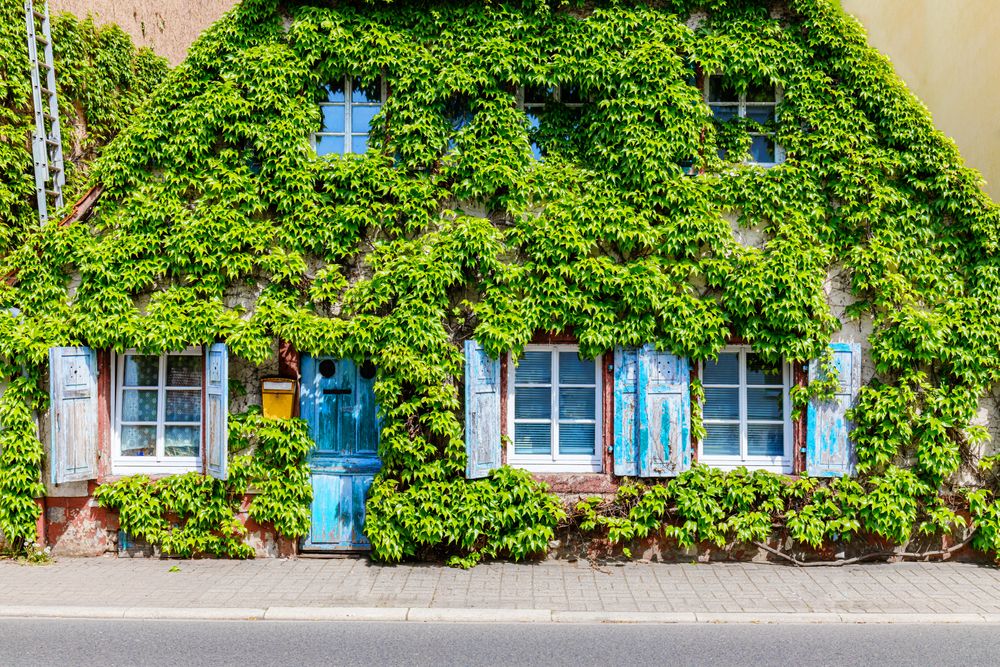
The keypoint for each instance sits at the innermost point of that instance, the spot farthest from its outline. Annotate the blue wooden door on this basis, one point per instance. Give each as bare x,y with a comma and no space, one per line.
338,402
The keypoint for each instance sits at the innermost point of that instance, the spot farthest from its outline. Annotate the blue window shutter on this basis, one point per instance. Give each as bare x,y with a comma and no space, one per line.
482,412
626,447
73,411
829,451
664,409
216,419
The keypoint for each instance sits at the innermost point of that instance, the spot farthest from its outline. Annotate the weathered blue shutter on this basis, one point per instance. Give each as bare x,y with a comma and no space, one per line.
216,420
482,412
664,410
829,451
73,410
626,448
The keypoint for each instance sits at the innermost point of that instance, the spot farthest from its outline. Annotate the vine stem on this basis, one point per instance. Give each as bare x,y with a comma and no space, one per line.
859,559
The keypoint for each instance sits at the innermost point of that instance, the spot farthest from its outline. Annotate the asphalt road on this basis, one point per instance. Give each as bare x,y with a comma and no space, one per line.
178,643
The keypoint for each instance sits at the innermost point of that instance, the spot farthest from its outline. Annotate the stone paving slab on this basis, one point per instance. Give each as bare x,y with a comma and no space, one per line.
947,590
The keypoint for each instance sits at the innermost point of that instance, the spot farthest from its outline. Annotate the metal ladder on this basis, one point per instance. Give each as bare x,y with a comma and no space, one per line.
46,143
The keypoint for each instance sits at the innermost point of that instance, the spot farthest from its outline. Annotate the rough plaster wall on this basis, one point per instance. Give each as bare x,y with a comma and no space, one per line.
167,26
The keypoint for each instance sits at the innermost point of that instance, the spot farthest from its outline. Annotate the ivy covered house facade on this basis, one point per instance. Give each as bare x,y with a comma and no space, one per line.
670,274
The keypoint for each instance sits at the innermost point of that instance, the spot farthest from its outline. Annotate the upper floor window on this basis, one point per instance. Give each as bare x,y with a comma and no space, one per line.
758,103
534,99
347,112
554,400
746,412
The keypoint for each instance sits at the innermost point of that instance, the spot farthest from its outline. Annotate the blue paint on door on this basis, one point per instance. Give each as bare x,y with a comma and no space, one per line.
338,402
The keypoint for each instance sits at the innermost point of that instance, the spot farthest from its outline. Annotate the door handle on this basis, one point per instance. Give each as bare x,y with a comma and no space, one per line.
336,391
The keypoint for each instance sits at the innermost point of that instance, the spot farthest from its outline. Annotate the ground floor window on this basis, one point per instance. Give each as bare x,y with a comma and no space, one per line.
158,406
747,412
554,410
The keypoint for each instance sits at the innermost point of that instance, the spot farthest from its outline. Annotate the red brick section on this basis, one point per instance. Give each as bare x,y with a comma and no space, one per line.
800,377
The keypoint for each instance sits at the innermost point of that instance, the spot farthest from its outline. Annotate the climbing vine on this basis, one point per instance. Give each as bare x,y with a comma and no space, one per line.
102,78
220,222
191,514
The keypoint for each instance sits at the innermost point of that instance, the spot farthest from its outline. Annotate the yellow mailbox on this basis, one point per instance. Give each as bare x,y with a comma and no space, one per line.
278,397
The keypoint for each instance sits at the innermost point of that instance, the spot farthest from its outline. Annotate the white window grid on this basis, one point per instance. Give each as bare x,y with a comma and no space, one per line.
781,463
554,461
347,105
537,108
741,107
160,463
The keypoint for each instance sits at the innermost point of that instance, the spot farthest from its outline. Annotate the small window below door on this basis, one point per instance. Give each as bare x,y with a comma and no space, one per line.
158,412
554,410
746,413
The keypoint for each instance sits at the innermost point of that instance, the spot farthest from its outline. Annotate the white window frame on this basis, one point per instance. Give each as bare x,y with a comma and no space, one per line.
539,107
781,464
159,464
348,134
554,462
741,112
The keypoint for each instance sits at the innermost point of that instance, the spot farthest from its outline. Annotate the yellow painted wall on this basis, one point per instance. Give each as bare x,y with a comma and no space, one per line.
947,51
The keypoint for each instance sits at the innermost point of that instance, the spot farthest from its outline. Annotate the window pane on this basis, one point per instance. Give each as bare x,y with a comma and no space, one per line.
532,438
534,118
573,370
761,93
182,440
533,403
335,92
721,403
577,439
183,371
724,114
759,373
576,403
762,115
570,94
721,440
183,406
142,370
537,94
329,145
724,371
359,144
361,118
139,405
534,368
762,149
333,118
719,90
765,404
765,440
138,440
371,92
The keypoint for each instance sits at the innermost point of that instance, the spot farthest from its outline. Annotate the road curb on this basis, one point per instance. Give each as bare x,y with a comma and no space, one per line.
474,615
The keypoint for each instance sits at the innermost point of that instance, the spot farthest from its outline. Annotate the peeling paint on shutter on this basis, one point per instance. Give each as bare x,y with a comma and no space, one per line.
626,448
664,409
482,412
216,419
829,450
73,411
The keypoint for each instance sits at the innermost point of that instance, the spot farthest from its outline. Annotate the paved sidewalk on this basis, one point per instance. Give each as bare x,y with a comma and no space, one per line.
321,588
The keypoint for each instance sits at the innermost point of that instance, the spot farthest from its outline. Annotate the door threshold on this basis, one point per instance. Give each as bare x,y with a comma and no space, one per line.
333,554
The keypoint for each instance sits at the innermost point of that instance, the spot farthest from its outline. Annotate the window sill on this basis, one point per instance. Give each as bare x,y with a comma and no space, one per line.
782,466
